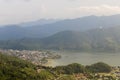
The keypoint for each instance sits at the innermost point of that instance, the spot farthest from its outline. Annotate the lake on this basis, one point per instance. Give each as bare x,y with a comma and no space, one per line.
86,58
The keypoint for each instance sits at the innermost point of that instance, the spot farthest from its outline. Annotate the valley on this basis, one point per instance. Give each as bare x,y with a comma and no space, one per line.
59,39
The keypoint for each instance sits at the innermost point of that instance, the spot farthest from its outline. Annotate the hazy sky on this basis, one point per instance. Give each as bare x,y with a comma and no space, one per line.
17,11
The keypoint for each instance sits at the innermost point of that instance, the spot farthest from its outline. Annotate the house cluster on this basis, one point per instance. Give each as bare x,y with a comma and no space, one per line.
36,57
113,75
80,76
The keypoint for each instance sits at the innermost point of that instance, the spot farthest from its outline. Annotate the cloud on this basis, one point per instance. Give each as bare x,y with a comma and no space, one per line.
99,8
16,0
16,11
72,0
95,10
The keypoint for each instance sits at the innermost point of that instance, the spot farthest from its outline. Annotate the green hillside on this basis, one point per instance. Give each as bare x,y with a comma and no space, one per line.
99,39
12,68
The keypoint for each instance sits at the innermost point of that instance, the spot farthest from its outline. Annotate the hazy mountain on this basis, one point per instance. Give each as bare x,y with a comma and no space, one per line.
38,30
79,24
11,32
99,39
38,22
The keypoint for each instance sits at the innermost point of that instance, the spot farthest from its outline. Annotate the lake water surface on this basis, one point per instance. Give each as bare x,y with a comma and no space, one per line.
86,58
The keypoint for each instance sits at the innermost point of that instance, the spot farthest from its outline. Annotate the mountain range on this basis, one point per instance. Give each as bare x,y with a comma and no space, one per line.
44,28
99,39
91,33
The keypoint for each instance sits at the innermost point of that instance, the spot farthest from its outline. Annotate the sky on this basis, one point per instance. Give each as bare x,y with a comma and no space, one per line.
18,11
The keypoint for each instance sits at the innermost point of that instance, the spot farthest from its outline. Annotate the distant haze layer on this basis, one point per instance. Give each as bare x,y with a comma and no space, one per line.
17,11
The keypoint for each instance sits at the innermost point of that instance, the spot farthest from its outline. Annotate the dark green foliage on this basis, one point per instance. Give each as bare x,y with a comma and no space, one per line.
78,68
12,68
67,78
45,75
99,67
75,68
70,69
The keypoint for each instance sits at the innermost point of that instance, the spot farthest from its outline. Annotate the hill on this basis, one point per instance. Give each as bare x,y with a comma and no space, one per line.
12,68
99,39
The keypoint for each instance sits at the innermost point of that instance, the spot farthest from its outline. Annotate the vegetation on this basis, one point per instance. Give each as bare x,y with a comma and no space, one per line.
12,68
99,67
99,40
68,77
70,69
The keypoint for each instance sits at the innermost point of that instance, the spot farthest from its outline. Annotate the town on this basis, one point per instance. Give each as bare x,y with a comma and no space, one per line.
36,57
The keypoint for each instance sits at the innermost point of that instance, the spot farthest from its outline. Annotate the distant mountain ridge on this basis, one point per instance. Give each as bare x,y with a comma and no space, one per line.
38,30
99,39
38,22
